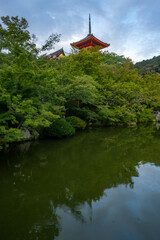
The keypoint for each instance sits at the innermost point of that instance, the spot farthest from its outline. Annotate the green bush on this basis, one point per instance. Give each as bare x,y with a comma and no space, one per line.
145,115
8,136
76,122
120,114
84,113
60,128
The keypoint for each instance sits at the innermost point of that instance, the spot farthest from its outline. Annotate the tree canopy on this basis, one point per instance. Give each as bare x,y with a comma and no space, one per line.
150,65
97,88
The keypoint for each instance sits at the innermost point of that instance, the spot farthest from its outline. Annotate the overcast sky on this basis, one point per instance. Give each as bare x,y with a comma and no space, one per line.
132,27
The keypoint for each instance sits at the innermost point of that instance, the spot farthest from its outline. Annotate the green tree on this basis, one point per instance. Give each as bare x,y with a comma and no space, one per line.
24,87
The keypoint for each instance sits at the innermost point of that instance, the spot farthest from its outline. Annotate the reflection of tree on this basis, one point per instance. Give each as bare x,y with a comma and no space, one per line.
47,226
68,173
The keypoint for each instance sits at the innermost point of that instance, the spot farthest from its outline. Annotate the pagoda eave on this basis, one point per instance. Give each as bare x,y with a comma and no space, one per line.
90,41
87,45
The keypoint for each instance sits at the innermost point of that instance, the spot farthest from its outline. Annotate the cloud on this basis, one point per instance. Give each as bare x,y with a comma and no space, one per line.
132,27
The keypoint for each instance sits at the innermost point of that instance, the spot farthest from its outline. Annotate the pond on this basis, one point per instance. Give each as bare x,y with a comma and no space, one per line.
100,184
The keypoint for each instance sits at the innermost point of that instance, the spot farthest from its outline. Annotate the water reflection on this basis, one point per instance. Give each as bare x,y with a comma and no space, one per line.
46,186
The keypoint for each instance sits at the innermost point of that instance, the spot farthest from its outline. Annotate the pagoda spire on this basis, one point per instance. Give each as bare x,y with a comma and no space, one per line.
89,24
90,40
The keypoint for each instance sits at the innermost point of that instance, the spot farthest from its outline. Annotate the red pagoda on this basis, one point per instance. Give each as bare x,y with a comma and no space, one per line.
89,41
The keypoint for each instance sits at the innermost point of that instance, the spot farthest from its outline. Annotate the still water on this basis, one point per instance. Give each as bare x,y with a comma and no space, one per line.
101,184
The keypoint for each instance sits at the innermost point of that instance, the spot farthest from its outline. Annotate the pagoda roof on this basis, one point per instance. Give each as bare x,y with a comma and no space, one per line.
56,54
88,41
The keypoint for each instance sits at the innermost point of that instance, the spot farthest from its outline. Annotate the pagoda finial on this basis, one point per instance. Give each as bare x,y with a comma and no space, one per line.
89,24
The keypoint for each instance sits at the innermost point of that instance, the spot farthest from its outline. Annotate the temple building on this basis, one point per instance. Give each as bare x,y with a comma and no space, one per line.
56,55
89,41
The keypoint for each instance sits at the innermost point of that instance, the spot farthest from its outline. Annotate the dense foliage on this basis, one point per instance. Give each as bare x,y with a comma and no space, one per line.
59,128
150,65
99,88
76,122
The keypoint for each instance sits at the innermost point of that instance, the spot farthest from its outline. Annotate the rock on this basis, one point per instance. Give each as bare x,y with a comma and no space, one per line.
133,124
35,134
158,117
25,134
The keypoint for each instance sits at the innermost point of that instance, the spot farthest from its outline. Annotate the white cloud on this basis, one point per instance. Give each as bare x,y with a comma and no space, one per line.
132,27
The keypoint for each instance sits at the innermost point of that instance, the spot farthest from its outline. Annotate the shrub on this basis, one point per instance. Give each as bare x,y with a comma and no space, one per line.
60,128
145,115
119,114
76,122
84,113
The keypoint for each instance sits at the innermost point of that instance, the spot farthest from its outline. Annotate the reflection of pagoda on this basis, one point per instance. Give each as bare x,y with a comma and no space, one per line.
89,41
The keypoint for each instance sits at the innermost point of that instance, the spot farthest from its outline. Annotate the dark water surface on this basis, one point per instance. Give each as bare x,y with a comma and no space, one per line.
99,185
